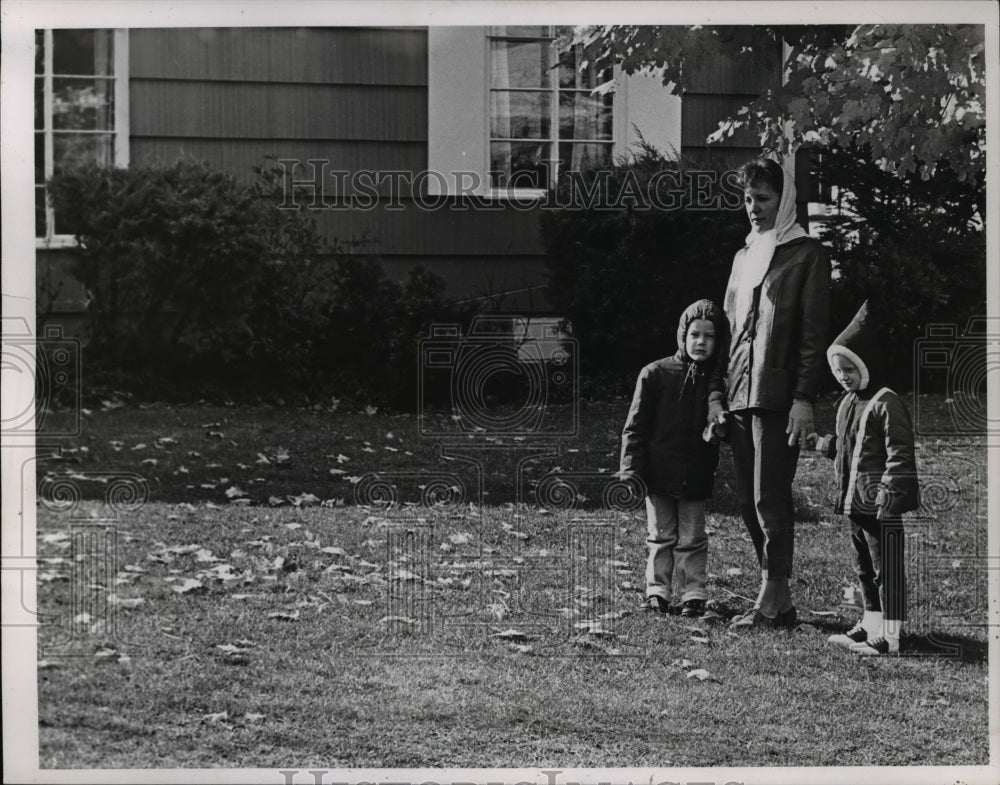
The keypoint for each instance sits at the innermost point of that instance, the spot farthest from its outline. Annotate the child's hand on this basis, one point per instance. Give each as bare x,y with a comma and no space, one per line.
811,441
715,431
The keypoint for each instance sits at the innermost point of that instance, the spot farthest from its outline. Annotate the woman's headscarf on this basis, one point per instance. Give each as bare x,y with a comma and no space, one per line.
751,266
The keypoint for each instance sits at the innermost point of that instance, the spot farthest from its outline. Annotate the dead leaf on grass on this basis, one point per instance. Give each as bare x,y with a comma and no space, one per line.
188,585
512,635
400,619
284,615
701,675
125,602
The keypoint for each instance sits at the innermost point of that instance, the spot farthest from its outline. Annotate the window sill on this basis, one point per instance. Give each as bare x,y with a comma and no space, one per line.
60,241
517,194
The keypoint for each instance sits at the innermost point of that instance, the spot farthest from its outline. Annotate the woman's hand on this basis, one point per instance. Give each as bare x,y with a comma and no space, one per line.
800,422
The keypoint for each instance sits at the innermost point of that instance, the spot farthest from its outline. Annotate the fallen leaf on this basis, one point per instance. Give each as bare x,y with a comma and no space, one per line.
188,585
512,635
304,500
234,491
284,615
402,619
700,673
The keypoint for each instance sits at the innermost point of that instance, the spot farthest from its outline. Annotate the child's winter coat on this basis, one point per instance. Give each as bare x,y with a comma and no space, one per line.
873,448
662,441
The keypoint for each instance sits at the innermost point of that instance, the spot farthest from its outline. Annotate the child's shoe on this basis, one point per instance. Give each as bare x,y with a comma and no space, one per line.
878,646
857,634
693,608
655,604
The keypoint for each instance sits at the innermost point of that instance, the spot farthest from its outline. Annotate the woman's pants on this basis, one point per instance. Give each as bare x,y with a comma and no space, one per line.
678,546
765,467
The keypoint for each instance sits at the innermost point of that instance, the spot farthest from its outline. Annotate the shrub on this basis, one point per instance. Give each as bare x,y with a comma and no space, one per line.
200,286
914,248
170,257
622,275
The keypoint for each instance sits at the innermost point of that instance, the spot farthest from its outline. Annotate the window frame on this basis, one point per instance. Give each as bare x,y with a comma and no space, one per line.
119,133
553,140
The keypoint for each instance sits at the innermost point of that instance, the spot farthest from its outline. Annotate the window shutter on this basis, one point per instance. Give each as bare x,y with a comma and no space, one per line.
650,108
456,103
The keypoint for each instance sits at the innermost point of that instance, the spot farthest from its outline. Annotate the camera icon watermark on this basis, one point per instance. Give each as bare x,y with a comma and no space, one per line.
508,377
50,366
960,366
78,562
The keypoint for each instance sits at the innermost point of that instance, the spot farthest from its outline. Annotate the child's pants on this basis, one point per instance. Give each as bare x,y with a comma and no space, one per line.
879,560
677,545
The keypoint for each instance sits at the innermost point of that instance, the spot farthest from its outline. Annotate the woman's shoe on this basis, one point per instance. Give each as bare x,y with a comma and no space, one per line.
785,620
655,604
693,608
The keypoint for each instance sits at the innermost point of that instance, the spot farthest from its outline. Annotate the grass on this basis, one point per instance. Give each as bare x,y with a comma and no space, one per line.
323,635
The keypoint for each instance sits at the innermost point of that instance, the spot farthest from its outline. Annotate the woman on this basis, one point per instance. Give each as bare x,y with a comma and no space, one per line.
777,303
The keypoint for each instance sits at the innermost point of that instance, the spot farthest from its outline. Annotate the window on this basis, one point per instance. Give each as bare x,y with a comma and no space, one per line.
544,115
503,104
80,110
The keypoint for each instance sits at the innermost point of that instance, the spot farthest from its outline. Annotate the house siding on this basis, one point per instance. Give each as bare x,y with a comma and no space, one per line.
354,97
357,98
717,91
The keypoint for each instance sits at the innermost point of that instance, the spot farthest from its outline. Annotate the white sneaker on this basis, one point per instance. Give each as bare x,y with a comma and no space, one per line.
876,647
857,634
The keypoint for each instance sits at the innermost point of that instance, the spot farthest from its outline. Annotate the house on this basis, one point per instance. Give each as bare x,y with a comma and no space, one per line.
436,143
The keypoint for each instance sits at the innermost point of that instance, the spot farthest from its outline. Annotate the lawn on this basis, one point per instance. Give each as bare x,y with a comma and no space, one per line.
225,589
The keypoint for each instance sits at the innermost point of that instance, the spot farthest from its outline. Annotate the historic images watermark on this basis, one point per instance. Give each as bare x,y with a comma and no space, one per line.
315,185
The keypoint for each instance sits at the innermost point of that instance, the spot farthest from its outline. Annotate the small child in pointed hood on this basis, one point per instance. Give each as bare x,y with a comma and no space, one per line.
877,481
662,446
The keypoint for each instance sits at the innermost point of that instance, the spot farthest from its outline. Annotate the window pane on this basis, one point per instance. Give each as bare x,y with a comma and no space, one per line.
519,64
39,212
76,149
39,103
580,156
39,51
519,115
570,75
585,116
79,104
39,158
518,164
82,52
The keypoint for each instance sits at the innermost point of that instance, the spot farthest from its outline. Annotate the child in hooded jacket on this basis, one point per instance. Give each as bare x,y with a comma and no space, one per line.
663,446
877,482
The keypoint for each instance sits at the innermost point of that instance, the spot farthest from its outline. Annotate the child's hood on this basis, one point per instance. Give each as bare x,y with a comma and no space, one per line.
860,342
704,309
